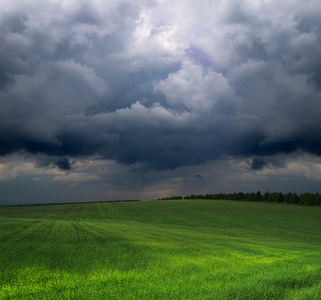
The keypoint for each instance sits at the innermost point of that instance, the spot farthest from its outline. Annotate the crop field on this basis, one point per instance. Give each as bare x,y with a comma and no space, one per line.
183,249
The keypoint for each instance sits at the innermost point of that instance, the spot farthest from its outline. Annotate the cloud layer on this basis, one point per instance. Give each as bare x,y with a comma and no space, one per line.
163,84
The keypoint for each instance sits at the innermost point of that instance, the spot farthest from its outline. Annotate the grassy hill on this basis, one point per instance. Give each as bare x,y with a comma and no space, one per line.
184,249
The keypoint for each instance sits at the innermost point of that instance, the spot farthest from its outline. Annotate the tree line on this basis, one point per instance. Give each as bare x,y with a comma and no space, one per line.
309,199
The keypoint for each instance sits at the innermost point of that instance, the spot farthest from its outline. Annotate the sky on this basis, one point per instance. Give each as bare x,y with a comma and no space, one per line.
109,100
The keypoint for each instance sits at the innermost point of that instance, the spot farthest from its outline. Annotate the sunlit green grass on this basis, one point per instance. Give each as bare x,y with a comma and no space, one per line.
184,249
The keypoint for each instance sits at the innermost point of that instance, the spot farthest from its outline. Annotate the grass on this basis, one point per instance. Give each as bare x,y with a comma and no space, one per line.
184,249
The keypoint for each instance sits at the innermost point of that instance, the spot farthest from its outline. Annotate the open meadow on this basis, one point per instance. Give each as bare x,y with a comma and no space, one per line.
183,249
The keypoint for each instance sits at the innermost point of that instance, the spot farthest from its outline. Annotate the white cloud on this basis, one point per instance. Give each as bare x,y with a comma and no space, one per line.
83,75
16,165
195,89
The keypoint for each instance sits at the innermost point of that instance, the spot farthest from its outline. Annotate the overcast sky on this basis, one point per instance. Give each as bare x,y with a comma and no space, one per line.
104,100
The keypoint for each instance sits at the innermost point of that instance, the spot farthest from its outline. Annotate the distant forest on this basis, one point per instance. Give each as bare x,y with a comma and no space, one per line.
309,199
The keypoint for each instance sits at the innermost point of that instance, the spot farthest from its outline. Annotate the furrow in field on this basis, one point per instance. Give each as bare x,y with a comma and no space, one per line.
13,234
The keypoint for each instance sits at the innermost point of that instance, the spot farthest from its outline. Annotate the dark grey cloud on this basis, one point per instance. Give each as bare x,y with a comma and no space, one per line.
5,81
136,83
258,164
63,164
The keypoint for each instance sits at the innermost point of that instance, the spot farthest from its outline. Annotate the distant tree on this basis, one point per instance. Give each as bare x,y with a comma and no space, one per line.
240,196
279,197
317,199
308,199
287,197
294,198
273,197
305,199
265,197
230,196
250,196
258,196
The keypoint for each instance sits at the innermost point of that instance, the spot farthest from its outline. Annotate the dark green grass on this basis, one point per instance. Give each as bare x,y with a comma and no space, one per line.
186,249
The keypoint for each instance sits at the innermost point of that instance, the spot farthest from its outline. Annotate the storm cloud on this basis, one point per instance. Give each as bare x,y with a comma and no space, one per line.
163,84
63,164
258,164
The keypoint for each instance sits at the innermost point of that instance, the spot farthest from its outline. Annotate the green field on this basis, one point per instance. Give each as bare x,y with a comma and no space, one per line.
184,249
